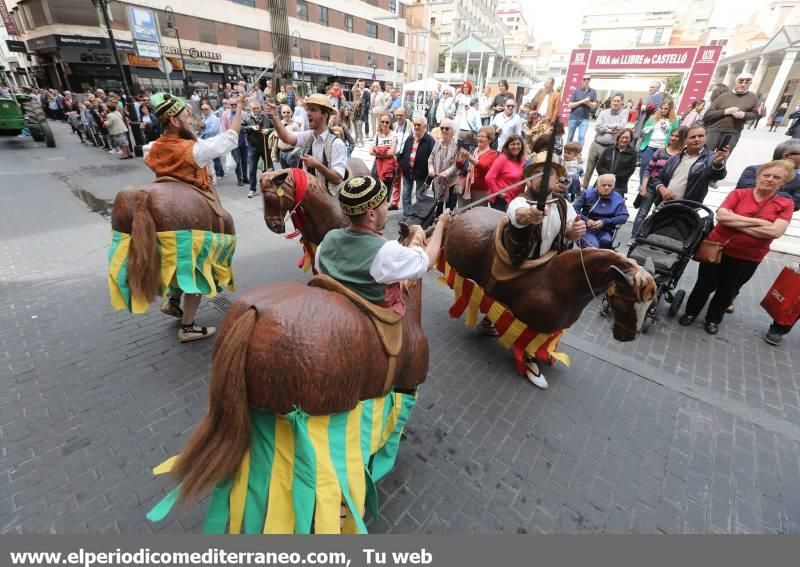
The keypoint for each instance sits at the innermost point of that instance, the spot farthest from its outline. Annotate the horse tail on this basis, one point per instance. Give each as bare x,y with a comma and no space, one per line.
144,264
216,448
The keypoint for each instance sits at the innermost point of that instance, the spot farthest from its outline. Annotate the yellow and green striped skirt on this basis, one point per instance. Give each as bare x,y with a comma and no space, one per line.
300,469
195,261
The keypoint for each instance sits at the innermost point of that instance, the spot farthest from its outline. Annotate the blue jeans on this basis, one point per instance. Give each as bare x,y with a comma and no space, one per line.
240,157
218,169
582,124
253,155
644,209
644,159
410,185
598,239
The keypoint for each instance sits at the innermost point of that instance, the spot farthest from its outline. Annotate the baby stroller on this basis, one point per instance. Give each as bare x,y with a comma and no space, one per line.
669,238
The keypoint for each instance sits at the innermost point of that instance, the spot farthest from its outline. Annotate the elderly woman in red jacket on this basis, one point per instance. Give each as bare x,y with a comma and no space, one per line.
748,221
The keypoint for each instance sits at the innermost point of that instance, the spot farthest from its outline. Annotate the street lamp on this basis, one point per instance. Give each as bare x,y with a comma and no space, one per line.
299,47
138,138
171,26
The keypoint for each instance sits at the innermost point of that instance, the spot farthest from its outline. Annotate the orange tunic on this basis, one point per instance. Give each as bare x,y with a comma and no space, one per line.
171,156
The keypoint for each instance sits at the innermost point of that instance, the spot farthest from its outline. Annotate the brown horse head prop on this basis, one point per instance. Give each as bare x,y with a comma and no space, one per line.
306,199
285,346
552,296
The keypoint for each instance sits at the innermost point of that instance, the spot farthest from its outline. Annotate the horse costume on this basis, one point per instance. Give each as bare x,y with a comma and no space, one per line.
304,417
530,305
171,234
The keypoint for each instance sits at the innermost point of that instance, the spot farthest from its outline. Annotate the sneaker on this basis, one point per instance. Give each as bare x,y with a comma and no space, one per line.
773,338
240,183
534,374
172,307
193,332
251,194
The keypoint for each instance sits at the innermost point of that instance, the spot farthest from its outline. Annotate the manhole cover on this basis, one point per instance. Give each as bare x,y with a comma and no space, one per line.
222,303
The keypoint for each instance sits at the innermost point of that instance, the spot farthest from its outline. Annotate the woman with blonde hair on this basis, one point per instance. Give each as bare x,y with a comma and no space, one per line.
377,106
656,132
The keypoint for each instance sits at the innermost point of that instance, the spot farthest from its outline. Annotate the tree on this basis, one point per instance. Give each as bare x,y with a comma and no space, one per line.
673,86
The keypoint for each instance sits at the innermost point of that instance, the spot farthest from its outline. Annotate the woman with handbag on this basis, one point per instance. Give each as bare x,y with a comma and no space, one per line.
384,151
748,221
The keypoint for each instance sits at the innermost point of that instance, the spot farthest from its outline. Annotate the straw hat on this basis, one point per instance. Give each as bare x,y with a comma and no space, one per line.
320,100
538,163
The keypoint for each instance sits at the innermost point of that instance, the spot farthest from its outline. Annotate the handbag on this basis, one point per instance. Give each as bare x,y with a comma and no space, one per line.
710,251
782,301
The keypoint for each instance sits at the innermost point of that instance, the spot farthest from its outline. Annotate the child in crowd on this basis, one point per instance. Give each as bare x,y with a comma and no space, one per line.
572,152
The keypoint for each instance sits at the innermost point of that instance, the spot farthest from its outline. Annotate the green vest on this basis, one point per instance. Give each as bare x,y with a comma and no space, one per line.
346,256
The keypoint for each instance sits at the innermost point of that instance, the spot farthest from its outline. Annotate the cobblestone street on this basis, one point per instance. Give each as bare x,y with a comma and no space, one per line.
678,432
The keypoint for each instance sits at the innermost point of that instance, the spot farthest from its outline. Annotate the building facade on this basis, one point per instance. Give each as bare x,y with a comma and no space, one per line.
518,31
454,20
222,41
422,43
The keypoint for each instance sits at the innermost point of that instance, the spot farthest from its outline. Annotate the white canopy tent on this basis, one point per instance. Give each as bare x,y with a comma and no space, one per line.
416,92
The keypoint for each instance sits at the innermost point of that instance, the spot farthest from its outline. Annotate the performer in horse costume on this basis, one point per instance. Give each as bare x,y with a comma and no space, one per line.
174,236
312,385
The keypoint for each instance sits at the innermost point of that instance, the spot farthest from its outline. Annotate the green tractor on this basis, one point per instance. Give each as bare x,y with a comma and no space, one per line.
25,111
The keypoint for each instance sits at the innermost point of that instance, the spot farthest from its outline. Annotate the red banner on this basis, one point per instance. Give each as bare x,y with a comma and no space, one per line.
700,76
8,21
578,61
642,59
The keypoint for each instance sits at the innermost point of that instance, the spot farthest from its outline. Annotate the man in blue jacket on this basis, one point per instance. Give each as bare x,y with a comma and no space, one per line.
604,210
688,174
414,162
788,150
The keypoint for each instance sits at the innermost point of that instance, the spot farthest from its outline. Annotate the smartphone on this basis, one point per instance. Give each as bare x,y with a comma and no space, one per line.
462,145
726,140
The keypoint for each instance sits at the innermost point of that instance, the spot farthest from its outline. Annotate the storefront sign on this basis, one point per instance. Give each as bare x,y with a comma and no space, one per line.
192,52
199,66
87,41
8,20
95,56
16,46
39,43
578,62
700,76
148,49
650,59
136,61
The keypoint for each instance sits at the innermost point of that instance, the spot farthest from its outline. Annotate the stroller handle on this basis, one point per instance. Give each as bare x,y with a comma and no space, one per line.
686,202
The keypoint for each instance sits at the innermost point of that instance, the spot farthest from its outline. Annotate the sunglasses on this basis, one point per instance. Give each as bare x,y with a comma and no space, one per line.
587,78
385,122
744,80
445,128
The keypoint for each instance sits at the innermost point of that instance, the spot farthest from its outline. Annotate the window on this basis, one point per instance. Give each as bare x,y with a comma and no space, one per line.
349,56
587,36
639,33
433,21
372,30
73,12
323,15
393,6
391,35
324,51
348,23
207,32
373,2
659,34
247,38
251,3
302,11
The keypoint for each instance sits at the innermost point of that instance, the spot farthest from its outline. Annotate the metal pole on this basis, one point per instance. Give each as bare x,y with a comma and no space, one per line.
469,53
134,116
480,70
183,65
